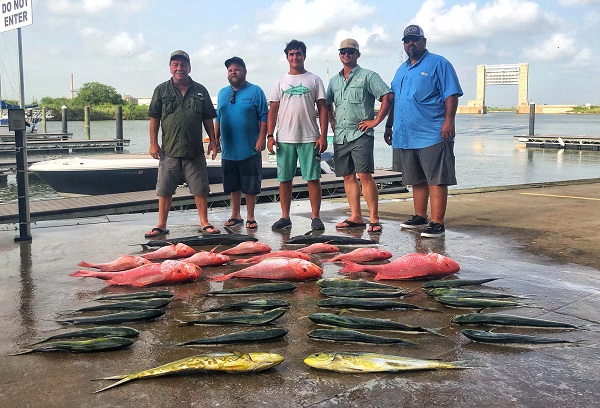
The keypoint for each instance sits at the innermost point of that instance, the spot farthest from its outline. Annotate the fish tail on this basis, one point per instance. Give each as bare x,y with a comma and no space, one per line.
23,351
460,364
351,267
86,264
220,278
122,379
84,274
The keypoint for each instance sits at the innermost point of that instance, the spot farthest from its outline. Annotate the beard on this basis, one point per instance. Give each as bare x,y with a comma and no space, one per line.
237,81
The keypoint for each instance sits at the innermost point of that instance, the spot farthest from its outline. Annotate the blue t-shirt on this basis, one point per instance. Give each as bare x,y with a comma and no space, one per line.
239,122
419,94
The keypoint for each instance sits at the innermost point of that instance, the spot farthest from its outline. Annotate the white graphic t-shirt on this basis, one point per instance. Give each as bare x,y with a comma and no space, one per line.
297,96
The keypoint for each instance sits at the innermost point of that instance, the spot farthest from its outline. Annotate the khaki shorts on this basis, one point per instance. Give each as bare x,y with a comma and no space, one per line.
172,169
433,165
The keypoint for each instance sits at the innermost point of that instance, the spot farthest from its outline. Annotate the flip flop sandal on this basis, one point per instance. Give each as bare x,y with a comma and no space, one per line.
156,232
374,225
205,229
251,224
232,222
350,224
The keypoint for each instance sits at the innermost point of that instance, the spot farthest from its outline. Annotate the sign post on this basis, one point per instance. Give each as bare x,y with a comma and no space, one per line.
17,14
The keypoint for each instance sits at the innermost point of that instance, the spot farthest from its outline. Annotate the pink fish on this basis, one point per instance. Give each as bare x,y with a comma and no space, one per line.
248,247
204,258
276,254
411,266
167,273
170,252
122,263
362,255
319,248
277,269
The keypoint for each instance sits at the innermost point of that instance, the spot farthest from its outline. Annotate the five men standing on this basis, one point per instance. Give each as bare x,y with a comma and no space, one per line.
422,104
353,92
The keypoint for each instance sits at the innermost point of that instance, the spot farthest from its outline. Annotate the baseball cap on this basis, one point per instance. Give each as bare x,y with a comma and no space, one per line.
236,60
349,43
413,30
180,54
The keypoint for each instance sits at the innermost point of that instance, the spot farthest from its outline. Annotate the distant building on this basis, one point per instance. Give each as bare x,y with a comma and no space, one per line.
144,101
130,99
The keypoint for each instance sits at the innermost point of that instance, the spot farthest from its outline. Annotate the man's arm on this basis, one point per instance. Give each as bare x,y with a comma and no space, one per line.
321,144
387,133
154,146
262,137
386,103
209,126
331,114
271,123
448,128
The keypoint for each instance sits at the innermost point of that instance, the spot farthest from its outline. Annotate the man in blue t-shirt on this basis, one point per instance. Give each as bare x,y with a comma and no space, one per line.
241,130
426,92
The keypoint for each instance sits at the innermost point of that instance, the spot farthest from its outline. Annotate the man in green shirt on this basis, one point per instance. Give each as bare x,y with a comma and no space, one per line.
353,92
181,107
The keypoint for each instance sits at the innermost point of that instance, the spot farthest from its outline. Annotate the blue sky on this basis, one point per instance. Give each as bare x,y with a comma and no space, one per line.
126,43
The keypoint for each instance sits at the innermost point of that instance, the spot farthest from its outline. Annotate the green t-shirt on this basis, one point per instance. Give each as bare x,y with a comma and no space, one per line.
354,101
181,117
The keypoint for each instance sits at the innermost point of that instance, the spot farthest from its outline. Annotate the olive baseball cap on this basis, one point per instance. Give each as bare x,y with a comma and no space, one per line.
414,31
180,54
349,43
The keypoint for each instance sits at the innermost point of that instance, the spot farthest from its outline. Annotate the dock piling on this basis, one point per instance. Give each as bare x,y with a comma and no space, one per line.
119,135
86,121
531,119
64,118
16,123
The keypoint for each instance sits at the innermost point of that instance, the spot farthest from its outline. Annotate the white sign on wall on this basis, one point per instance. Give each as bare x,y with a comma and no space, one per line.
15,14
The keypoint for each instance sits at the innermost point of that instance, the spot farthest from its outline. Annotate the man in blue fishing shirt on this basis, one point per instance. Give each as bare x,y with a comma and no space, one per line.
421,126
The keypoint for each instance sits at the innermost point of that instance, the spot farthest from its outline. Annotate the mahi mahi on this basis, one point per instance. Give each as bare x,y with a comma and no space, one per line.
238,337
220,361
354,336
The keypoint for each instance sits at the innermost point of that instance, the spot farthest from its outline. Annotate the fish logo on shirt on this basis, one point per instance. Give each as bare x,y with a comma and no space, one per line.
296,90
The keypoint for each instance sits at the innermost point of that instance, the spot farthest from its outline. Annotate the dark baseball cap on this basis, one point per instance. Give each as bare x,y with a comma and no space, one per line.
180,54
235,60
413,31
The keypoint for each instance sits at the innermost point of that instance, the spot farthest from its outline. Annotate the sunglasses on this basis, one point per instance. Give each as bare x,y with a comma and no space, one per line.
349,52
411,39
232,96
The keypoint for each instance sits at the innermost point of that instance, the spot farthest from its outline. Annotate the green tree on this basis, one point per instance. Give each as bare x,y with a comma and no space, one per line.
95,93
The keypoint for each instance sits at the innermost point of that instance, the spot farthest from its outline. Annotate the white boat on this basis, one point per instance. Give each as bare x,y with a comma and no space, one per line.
95,175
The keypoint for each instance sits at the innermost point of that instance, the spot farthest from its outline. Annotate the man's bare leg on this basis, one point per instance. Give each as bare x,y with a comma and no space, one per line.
202,207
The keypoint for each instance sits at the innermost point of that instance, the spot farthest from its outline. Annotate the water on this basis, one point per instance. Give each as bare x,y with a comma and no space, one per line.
486,153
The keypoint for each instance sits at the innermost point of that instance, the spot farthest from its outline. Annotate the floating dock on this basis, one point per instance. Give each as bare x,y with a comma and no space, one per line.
60,143
579,142
144,201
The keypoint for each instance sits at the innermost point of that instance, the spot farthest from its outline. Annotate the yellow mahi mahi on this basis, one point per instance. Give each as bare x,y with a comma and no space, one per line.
220,361
349,362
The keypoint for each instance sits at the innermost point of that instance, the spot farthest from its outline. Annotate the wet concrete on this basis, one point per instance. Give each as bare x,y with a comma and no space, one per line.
490,234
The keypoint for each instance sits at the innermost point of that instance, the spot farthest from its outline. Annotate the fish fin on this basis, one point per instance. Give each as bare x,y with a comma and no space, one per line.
228,230
220,278
114,377
85,264
308,233
351,267
213,250
23,351
341,311
124,380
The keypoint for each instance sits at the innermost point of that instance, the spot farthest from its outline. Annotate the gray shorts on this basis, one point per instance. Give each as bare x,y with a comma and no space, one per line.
171,170
354,157
433,165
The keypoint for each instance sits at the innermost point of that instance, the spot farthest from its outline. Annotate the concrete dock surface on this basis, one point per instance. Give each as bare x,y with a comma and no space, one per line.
540,240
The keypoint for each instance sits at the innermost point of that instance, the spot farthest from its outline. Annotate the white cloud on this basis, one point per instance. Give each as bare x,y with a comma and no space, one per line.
123,44
304,17
92,8
472,20
579,2
559,47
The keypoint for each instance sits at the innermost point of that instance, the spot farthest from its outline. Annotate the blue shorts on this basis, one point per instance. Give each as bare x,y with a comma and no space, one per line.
171,170
242,175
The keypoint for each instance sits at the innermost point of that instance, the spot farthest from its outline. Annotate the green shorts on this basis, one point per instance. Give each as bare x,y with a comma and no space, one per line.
288,156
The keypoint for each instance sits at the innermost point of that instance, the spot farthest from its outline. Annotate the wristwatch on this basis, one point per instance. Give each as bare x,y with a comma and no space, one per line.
269,136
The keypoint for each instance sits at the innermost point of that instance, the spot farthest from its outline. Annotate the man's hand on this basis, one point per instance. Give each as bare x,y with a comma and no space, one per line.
154,151
270,143
387,136
448,130
213,148
260,144
365,125
321,144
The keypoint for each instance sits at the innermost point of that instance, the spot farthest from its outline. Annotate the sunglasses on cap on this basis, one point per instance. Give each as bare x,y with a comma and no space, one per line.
232,96
349,52
411,38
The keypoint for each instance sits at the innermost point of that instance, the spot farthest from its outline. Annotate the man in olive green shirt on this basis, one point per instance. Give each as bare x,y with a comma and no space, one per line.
353,92
181,107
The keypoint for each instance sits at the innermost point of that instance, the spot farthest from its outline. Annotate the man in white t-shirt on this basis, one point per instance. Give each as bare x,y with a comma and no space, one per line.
292,110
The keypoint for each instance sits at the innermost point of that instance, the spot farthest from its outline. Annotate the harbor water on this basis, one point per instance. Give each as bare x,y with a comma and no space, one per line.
486,153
